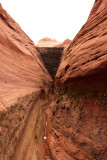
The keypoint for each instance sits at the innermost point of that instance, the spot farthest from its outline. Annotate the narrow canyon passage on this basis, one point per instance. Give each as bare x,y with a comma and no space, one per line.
53,100
32,142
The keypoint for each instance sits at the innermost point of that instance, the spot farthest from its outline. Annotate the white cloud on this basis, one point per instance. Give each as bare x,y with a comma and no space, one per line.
59,19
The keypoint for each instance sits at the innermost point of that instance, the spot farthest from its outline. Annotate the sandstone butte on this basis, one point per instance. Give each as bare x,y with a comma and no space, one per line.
47,42
67,122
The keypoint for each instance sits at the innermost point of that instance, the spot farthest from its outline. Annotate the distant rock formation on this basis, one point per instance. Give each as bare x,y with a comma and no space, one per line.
51,52
65,44
47,42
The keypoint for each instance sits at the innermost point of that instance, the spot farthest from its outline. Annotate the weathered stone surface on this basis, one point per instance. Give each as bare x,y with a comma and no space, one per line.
87,54
77,125
23,78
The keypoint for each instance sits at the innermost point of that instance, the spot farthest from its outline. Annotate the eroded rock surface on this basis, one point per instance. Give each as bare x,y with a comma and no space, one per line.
77,125
23,80
87,54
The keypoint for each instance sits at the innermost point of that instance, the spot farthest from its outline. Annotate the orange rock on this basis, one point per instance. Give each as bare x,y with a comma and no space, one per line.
78,127
21,67
65,44
23,77
87,54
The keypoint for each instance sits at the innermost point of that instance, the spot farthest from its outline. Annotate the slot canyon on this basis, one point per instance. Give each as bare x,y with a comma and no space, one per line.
53,100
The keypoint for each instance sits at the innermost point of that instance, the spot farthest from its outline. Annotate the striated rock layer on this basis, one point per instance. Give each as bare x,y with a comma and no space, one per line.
76,120
51,57
77,126
87,54
23,82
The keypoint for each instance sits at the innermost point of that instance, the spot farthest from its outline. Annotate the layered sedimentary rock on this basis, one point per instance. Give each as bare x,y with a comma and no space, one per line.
87,52
77,126
24,81
51,52
76,119
51,57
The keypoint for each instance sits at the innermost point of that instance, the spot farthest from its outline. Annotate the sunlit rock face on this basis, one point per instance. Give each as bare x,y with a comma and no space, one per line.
87,53
77,128
47,42
98,7
23,77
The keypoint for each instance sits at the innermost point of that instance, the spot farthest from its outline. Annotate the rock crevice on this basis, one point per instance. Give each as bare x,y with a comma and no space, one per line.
51,57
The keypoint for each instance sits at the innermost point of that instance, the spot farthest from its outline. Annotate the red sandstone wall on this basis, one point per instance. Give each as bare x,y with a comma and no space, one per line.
22,77
77,128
